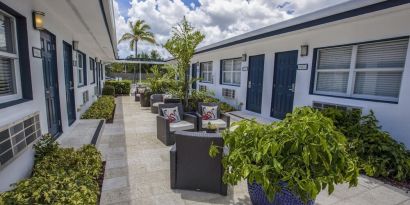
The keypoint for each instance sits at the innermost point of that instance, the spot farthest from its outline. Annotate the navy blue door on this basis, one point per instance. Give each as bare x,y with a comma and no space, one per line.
48,47
284,83
194,75
69,82
97,77
255,83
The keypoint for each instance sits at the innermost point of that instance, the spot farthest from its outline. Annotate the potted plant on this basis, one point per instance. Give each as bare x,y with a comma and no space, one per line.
289,161
210,128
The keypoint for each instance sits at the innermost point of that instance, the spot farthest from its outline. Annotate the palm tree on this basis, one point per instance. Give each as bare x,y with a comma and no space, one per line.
139,32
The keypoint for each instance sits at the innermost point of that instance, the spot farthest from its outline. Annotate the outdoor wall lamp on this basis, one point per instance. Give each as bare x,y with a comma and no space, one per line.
38,21
75,45
304,50
244,57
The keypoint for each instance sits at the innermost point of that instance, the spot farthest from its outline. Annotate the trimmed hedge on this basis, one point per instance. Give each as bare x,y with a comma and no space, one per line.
108,90
103,108
122,87
60,176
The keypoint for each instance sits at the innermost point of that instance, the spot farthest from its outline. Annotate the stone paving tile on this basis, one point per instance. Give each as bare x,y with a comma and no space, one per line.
137,170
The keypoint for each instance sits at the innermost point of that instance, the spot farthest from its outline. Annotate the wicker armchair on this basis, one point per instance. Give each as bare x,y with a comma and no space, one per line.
155,100
165,129
222,122
138,92
191,166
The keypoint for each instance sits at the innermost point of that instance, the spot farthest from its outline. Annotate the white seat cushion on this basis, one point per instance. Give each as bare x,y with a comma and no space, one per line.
180,126
156,104
218,123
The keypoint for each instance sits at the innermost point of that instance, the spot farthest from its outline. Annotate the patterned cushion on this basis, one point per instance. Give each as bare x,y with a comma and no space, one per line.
209,112
140,90
166,96
171,114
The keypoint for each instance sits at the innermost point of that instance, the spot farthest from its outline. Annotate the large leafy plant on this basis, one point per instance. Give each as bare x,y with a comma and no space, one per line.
379,154
181,46
159,81
304,151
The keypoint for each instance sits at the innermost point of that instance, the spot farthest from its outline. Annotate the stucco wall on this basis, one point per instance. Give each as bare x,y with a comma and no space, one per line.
21,166
391,23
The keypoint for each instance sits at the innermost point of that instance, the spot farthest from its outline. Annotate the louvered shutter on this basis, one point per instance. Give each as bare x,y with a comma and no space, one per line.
7,85
333,69
390,54
335,58
379,68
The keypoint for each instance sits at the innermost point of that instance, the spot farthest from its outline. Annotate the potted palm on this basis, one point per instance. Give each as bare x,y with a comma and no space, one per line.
288,162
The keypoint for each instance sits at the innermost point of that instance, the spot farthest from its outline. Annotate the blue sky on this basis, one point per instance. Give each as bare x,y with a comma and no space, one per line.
217,19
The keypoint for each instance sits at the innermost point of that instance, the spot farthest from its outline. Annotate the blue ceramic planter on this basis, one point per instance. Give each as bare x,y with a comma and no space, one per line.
285,197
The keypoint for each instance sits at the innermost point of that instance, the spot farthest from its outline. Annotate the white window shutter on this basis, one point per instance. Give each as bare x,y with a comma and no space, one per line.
388,54
7,84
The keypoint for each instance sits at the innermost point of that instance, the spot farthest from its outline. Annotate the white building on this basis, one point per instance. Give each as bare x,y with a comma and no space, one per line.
45,83
356,56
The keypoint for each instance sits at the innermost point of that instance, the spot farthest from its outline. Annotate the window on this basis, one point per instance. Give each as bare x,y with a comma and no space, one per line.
206,72
366,71
81,69
92,67
10,83
231,71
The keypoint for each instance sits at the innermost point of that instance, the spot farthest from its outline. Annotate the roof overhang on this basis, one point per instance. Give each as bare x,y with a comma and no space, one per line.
328,15
91,22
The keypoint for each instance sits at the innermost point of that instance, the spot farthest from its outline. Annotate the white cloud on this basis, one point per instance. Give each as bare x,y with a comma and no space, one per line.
217,19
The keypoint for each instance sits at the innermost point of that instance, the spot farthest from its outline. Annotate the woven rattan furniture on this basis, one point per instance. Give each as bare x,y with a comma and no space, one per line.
155,100
222,122
191,166
165,129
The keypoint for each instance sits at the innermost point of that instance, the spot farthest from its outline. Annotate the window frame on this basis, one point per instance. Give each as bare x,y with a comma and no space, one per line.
207,71
15,59
352,74
221,80
83,69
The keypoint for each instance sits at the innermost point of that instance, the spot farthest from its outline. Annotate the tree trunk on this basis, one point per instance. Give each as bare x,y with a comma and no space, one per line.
186,88
136,51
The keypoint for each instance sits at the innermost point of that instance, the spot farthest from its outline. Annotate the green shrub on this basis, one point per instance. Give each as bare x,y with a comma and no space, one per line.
103,108
45,146
379,154
207,97
108,90
122,87
64,176
225,107
304,150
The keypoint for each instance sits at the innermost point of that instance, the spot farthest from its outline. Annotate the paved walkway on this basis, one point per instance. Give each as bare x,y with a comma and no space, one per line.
137,170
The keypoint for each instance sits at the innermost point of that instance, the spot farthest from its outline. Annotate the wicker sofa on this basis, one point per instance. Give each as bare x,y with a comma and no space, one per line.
165,129
191,166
